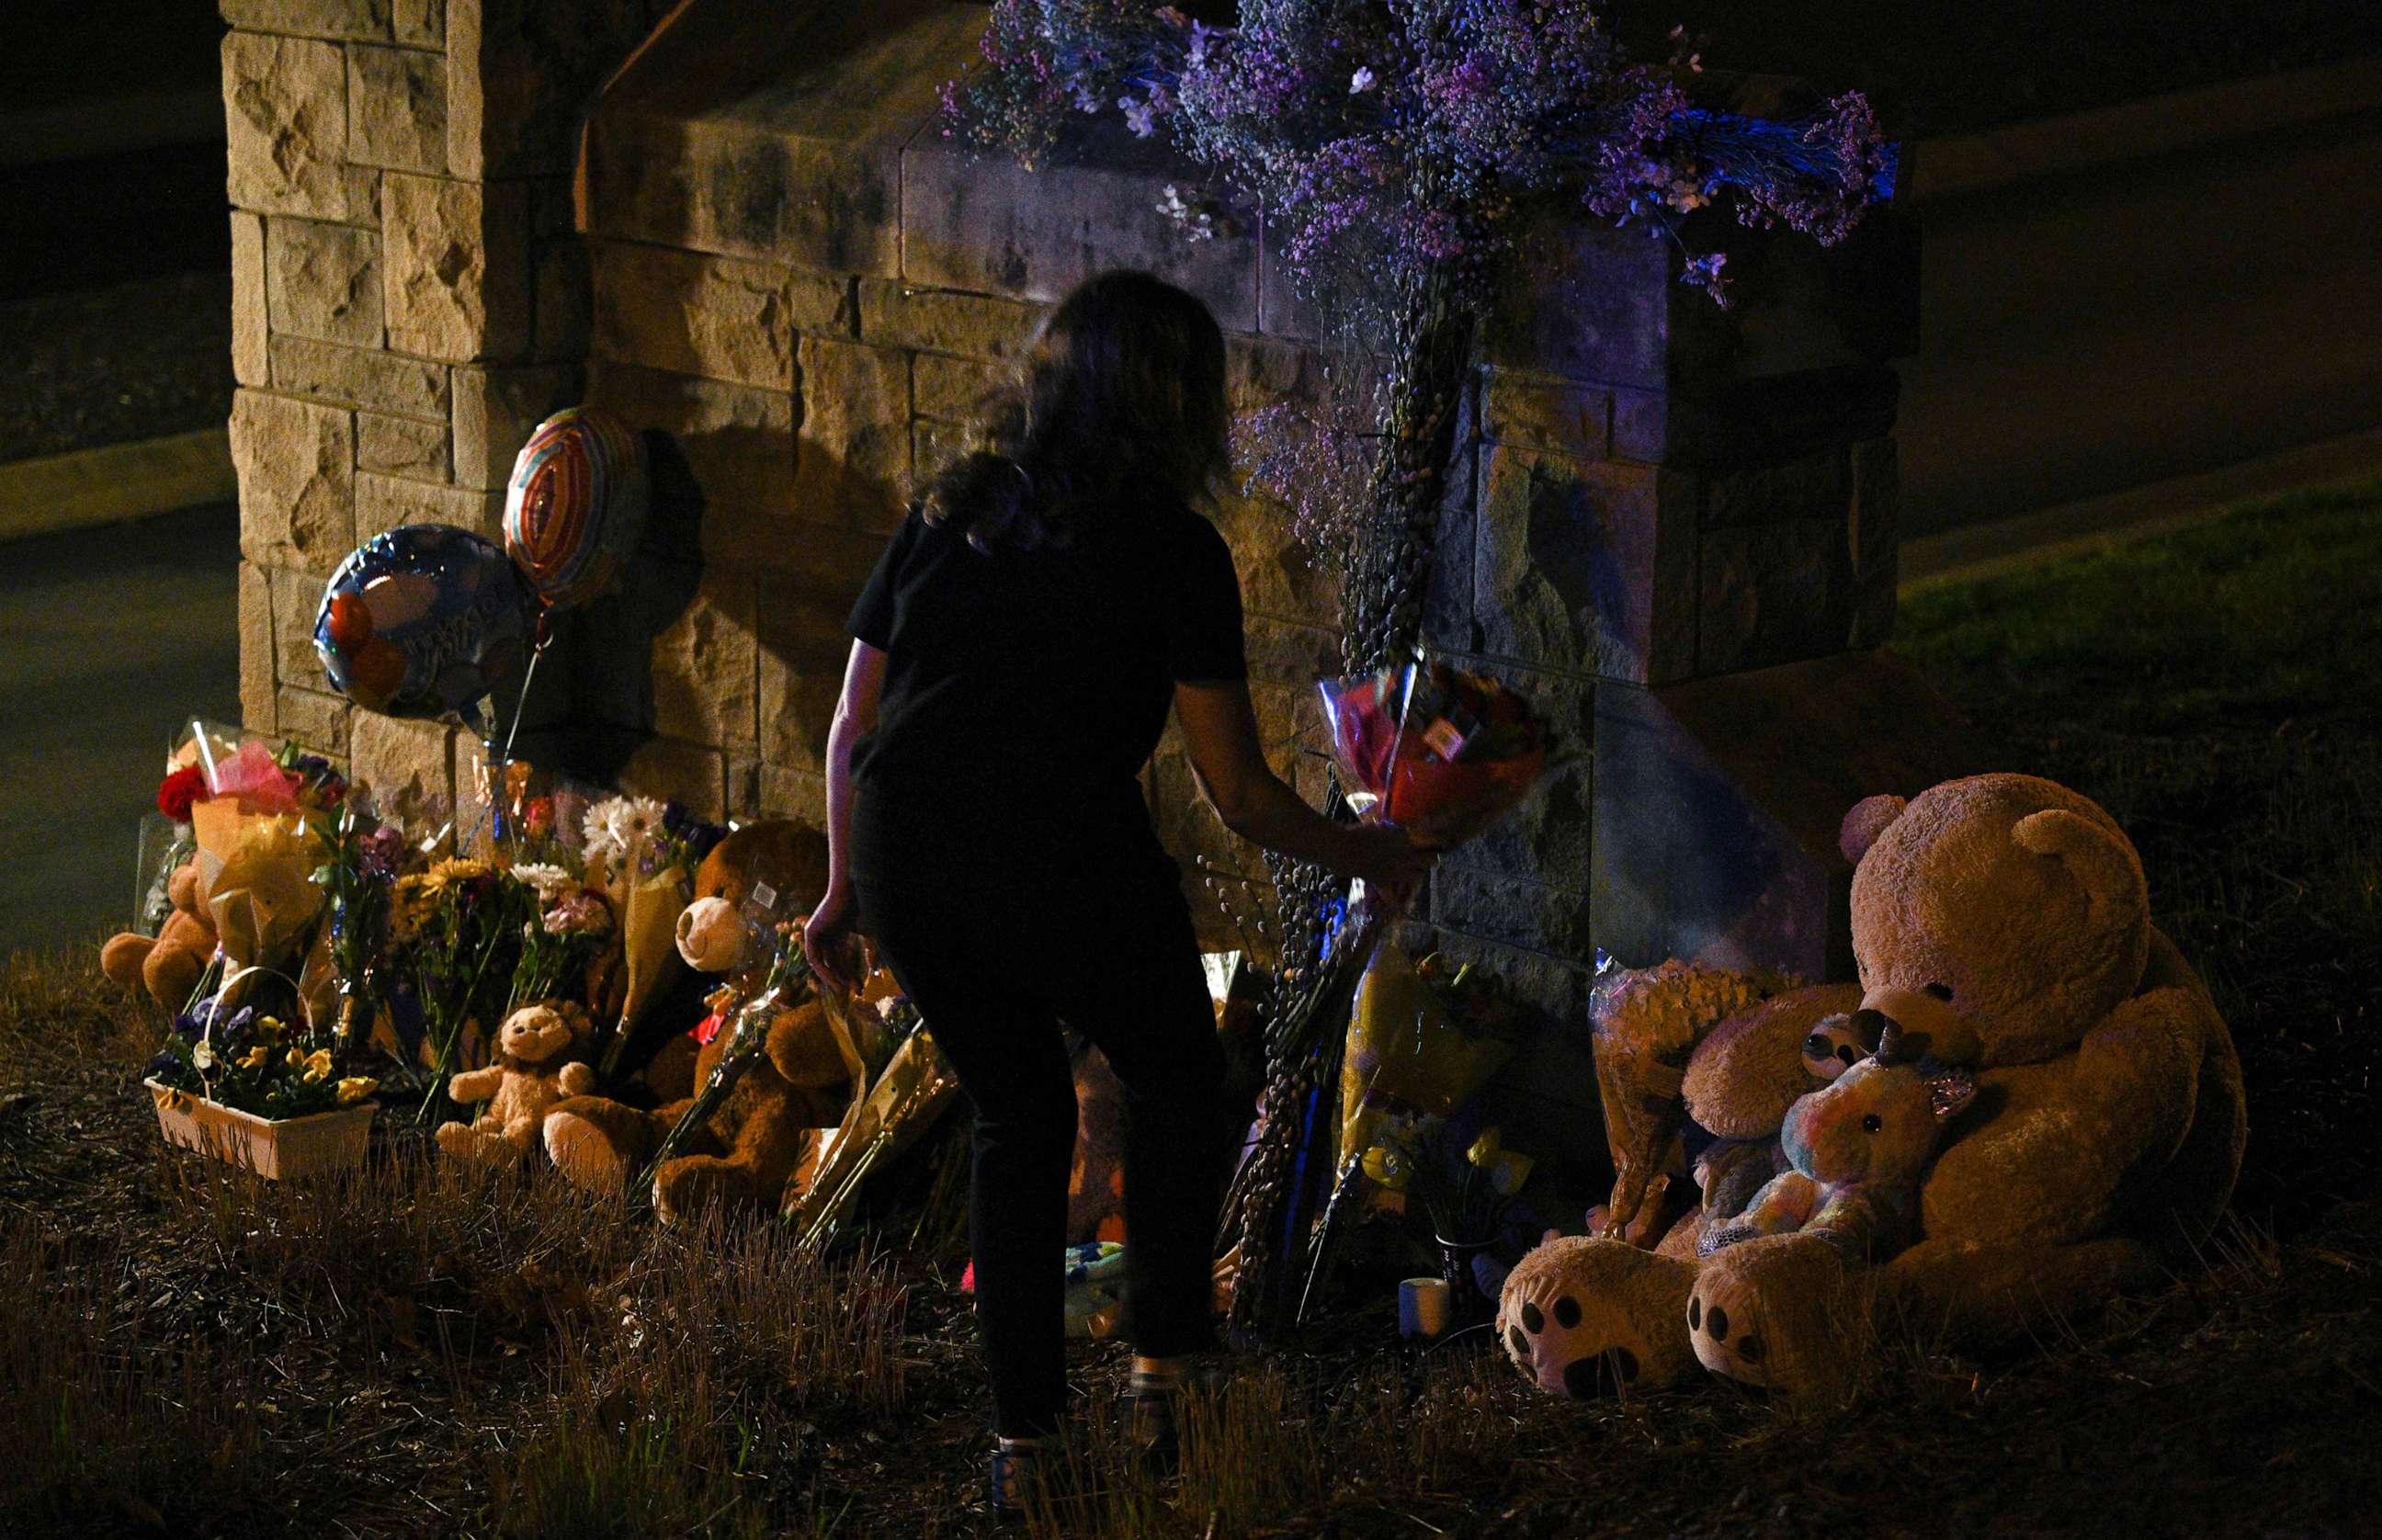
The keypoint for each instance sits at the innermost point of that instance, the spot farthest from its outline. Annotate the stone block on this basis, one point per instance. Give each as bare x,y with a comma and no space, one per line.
297,596
992,226
1261,371
455,256
497,407
413,447
296,461
368,19
672,769
704,670
520,74
1585,566
252,362
285,123
1812,486
360,377
363,184
397,109
386,502
946,321
259,659
803,646
1289,653
1588,303
796,794
1546,414
420,23
564,298
1763,421
1531,916
738,441
408,768
1718,801
798,160
322,281
314,720
1875,540
694,314
1774,593
852,451
955,390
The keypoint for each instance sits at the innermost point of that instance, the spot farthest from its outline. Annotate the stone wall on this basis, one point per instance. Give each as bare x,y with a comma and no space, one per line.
1673,527
409,298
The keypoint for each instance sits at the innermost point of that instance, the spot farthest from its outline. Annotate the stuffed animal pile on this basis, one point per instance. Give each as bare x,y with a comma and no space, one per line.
1998,922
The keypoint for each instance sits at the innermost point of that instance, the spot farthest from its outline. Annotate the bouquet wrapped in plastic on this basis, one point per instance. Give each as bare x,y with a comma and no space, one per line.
1432,749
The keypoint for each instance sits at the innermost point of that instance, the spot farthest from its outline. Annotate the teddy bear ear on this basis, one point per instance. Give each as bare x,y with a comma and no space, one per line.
1865,823
2099,858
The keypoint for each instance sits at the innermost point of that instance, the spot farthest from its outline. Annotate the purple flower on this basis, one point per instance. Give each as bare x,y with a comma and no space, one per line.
383,852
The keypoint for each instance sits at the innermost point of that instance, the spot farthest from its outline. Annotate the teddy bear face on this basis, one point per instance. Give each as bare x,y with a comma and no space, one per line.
1877,1125
2011,903
534,1034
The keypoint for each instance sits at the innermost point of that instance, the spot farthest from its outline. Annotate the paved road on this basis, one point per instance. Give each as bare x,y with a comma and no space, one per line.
109,639
2153,321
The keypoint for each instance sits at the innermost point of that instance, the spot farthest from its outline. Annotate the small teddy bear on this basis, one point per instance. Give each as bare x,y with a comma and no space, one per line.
528,1079
1858,1148
168,965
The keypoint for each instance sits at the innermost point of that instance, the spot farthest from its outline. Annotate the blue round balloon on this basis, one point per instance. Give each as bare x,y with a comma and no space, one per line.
423,620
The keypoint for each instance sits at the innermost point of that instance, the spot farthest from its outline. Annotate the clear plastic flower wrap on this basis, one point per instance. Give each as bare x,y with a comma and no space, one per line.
1432,749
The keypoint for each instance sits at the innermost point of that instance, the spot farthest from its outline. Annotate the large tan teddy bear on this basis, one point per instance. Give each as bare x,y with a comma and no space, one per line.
2001,921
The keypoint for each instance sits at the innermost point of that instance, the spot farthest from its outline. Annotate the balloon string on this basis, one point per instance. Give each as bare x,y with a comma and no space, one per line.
498,762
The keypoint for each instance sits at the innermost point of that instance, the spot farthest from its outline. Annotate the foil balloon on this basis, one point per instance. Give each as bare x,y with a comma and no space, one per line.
575,506
421,620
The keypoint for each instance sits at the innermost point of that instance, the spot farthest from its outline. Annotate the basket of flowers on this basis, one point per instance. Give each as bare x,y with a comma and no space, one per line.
261,1090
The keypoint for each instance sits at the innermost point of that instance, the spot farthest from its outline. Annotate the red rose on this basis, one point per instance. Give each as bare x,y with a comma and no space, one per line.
178,790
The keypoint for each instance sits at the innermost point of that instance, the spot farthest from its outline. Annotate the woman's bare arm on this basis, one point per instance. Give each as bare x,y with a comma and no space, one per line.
1221,729
827,939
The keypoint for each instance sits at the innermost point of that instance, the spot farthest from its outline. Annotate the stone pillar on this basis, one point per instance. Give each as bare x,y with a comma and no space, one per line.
409,300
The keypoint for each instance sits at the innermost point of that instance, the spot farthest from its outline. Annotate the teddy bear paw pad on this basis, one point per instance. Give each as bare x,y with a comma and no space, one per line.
1550,1342
1727,1338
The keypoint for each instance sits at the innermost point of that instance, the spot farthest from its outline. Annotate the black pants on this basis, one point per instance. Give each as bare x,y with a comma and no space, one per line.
995,972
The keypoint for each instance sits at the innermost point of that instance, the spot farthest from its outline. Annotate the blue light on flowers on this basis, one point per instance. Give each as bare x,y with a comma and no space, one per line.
1332,914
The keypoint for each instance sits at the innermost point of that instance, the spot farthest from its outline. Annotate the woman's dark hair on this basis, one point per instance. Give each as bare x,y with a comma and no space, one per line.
1123,399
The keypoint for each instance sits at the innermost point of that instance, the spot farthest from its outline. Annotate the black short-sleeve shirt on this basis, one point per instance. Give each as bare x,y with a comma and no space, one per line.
1024,691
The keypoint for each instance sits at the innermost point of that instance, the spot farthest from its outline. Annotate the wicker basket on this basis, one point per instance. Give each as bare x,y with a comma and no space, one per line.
289,1147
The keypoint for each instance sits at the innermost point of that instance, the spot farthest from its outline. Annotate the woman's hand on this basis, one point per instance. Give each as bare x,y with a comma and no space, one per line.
1384,858
831,943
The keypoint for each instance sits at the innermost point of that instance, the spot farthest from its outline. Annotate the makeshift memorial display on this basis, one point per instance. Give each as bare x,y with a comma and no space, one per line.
423,620
1858,1147
575,506
1464,1188
2001,921
572,935
535,1071
256,1087
1451,132
912,1092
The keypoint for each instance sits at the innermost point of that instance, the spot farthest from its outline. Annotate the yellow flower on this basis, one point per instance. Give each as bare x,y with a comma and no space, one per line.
317,1065
1388,1165
454,869
270,1025
1509,1172
254,1058
1485,1148
355,1088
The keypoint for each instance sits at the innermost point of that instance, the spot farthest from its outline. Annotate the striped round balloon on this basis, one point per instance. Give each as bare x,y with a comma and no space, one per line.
575,506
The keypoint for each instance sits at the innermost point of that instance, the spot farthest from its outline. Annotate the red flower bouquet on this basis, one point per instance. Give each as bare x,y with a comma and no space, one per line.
1432,749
